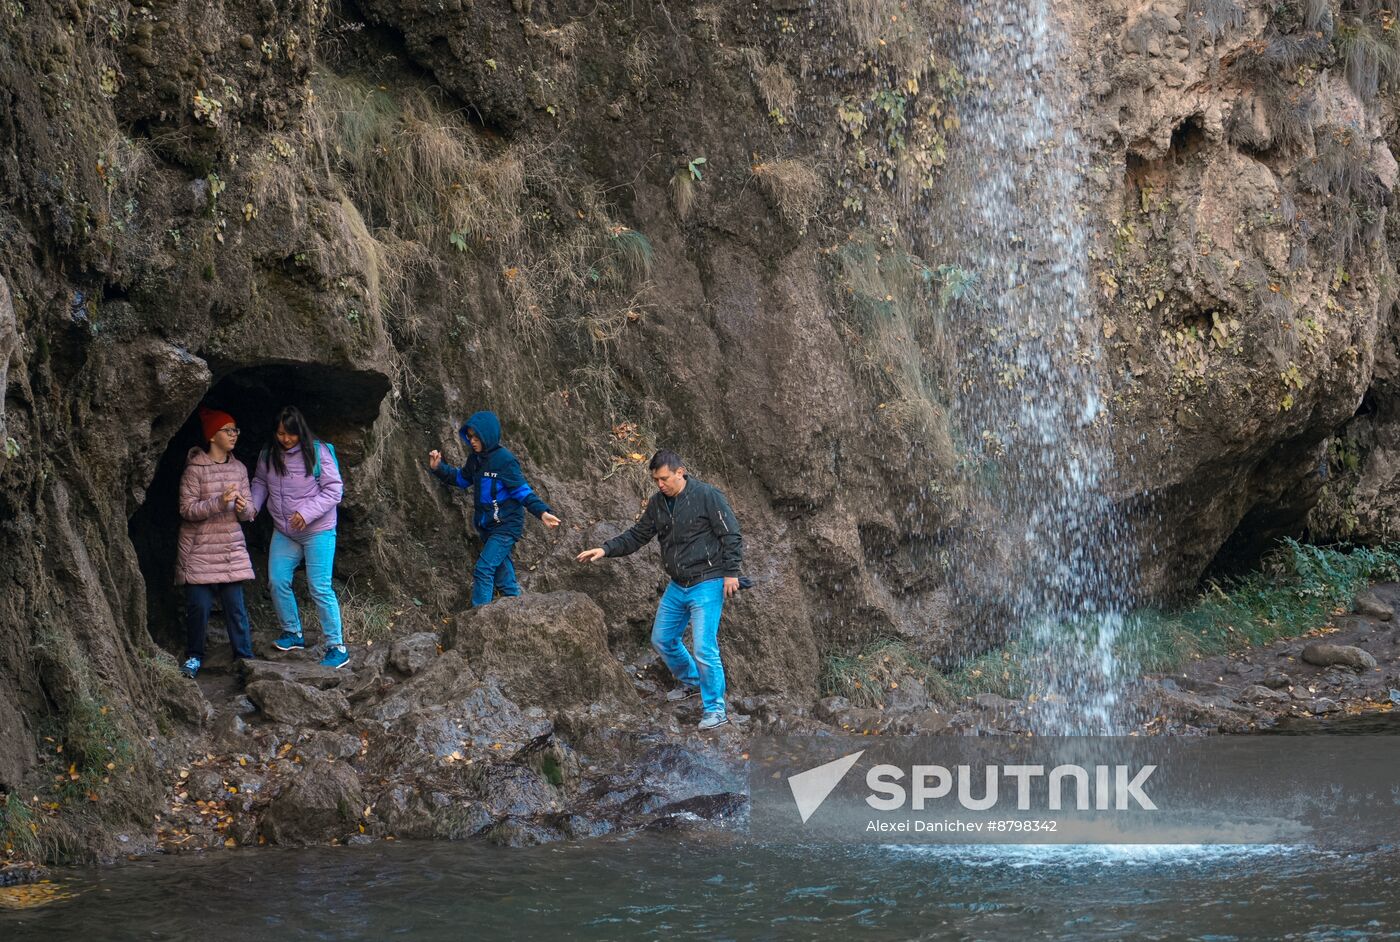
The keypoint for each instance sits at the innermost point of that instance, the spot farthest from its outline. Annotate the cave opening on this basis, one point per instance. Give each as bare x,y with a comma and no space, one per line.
340,404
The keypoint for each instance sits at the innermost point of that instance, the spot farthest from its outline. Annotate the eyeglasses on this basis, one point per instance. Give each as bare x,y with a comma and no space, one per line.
231,431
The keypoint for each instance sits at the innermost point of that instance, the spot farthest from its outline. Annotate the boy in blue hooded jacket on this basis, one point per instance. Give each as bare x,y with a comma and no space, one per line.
502,496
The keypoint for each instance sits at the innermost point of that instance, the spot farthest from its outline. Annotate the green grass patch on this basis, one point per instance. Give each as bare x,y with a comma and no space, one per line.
868,678
1298,589
19,830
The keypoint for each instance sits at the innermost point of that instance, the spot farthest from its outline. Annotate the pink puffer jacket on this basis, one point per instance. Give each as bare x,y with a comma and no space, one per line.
212,549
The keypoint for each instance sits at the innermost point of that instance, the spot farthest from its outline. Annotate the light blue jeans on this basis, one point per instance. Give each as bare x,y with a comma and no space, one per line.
283,558
494,570
698,607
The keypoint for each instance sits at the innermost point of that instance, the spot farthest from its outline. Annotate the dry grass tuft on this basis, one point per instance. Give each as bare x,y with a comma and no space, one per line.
794,187
683,192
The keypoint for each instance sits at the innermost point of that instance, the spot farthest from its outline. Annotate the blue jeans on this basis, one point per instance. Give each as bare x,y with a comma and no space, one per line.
283,557
494,570
699,607
199,600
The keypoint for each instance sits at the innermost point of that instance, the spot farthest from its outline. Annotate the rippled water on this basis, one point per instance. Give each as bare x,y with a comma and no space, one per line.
652,887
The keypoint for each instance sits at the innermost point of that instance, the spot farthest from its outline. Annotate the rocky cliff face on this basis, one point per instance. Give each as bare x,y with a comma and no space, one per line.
624,226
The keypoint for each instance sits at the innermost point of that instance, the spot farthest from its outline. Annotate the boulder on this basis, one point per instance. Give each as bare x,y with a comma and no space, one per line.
1369,604
1338,655
284,701
310,673
446,679
547,650
410,655
324,802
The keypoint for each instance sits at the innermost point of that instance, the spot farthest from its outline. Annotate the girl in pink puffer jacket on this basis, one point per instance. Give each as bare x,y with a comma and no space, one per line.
213,556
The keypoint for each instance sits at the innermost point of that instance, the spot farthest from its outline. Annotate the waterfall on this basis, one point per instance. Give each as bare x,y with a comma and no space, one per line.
1046,545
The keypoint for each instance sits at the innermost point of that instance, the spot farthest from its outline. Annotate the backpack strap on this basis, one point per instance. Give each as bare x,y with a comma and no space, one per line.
316,468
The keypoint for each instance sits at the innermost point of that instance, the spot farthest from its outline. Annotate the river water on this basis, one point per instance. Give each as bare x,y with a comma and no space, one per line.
661,887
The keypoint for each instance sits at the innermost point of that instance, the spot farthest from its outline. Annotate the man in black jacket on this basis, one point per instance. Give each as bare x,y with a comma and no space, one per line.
701,550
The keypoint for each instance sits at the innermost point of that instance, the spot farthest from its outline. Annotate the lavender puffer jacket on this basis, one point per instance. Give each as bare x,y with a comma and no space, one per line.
212,549
299,492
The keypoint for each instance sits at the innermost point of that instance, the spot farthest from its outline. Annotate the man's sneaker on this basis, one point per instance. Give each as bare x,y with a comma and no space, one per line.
712,720
288,642
190,667
336,656
683,692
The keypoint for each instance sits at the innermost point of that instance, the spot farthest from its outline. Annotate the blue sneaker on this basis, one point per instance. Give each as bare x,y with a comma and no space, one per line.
289,642
336,656
190,667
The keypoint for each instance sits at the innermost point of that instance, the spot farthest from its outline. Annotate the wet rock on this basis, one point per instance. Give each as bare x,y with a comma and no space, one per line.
242,706
719,807
297,704
1200,685
549,650
681,772
995,702
323,802
1276,679
1323,706
923,722
309,673
516,790
577,826
514,832
17,874
862,720
1344,655
405,813
553,760
829,708
908,697
1369,604
1256,693
410,655
1182,707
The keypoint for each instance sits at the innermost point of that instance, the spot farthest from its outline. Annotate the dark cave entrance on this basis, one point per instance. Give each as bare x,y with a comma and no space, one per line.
340,404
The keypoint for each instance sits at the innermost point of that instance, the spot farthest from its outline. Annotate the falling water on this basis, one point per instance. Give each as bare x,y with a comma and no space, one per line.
1031,412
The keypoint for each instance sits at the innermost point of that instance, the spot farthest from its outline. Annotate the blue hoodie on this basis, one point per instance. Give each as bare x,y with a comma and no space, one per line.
501,489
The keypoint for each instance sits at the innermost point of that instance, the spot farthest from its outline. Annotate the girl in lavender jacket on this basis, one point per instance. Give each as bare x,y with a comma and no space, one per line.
213,559
300,482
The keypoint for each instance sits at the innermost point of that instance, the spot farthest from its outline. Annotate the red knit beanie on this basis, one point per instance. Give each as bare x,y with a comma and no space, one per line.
211,420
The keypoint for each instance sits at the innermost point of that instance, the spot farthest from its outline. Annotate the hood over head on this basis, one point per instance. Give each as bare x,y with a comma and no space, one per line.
487,428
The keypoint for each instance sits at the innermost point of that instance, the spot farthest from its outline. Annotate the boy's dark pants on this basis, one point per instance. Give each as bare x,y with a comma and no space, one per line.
199,600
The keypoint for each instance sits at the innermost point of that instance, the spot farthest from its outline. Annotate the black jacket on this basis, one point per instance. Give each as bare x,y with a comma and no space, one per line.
699,537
